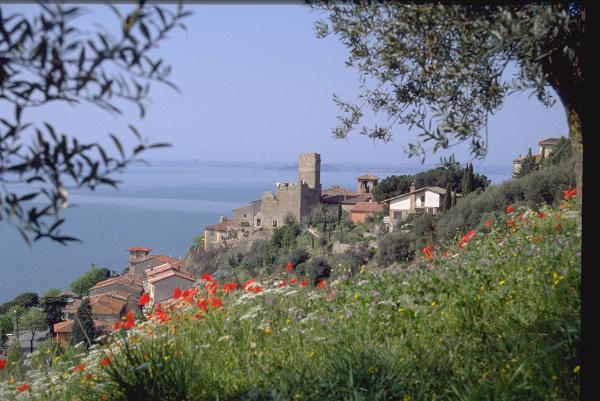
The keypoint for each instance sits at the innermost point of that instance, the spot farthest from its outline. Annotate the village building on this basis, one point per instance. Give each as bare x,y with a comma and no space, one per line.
422,200
72,304
217,235
124,284
546,146
141,260
112,306
151,273
360,211
161,286
296,198
348,199
63,330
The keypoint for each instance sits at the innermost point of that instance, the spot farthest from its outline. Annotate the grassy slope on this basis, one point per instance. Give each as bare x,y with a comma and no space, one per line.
498,319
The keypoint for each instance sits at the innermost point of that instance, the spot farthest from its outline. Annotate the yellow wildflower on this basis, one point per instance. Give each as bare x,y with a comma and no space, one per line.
268,330
576,369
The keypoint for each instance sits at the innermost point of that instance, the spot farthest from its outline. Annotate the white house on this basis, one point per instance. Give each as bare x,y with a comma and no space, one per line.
162,285
422,200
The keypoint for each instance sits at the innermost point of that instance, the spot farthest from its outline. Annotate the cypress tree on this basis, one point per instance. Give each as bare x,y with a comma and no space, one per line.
453,199
428,229
467,182
83,327
447,203
471,178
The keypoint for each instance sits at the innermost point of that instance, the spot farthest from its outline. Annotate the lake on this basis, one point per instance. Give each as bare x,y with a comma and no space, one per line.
162,207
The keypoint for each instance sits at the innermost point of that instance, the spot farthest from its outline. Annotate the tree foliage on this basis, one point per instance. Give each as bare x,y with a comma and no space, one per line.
528,165
47,58
443,69
32,321
83,327
450,173
52,305
25,300
87,280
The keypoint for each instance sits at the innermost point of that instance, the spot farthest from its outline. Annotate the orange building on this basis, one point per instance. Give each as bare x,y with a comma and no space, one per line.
360,211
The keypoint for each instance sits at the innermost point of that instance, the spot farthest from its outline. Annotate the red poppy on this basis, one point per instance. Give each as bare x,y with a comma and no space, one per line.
202,304
197,316
176,293
321,284
289,267
304,283
465,239
216,302
2,363
558,227
212,287
255,289
510,209
282,283
427,251
117,325
144,299
78,368
445,254
521,217
488,223
569,193
105,361
23,387
129,322
207,277
511,223
229,287
248,284
541,215
294,280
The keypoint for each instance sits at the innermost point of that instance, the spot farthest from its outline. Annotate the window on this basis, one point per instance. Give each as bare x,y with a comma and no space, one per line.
244,215
422,200
258,222
274,223
397,214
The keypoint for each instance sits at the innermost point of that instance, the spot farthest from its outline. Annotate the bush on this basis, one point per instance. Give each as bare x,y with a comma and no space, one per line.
540,187
394,247
299,256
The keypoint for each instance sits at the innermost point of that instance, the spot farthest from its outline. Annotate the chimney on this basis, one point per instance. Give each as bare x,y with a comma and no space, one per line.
413,197
222,219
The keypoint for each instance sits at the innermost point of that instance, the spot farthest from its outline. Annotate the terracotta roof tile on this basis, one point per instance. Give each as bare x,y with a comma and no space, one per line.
124,280
372,207
170,273
221,227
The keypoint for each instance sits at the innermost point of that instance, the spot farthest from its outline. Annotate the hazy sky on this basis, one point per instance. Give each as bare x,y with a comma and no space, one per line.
256,85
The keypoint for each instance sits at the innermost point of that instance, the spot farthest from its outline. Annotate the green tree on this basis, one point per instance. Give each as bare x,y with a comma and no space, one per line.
46,58
528,166
32,321
453,199
87,280
562,151
443,69
447,202
83,327
52,305
6,327
467,181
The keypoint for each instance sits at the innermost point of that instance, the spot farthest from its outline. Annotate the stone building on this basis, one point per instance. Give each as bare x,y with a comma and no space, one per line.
141,260
360,211
296,198
123,284
546,147
161,286
422,200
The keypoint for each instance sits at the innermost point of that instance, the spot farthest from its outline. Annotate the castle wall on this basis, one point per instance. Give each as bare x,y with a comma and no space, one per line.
246,213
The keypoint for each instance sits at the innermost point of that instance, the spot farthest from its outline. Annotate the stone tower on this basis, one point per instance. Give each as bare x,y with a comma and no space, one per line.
309,170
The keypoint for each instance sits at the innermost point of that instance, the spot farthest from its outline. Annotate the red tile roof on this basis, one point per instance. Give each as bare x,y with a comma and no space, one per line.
124,280
221,227
139,248
358,198
171,273
370,207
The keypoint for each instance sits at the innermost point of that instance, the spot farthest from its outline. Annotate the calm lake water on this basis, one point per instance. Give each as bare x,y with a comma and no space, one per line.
162,207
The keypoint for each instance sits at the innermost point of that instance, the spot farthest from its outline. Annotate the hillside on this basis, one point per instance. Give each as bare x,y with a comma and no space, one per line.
494,317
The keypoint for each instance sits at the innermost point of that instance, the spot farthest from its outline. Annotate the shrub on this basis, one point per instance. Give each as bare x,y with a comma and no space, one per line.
394,247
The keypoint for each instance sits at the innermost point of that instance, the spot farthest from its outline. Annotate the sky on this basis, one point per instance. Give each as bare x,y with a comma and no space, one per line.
257,84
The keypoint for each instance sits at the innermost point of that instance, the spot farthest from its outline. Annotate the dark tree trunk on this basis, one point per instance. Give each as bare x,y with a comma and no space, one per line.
566,76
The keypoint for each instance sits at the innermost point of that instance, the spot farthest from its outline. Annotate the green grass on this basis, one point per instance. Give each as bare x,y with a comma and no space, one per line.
496,320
